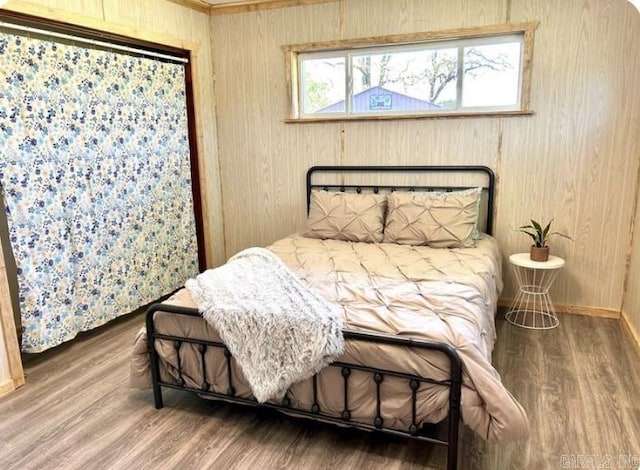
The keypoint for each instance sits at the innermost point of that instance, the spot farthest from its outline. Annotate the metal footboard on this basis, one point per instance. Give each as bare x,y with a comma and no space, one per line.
454,383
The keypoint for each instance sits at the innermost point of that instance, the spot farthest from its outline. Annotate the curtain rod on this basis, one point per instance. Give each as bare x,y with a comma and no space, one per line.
107,45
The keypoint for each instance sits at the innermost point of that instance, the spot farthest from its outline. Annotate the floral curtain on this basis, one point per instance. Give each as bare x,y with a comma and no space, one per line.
95,175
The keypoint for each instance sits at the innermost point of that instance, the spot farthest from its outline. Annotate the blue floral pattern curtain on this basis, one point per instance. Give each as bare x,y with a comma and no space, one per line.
95,174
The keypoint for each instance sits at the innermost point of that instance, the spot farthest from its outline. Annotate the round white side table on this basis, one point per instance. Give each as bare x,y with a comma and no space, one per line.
532,308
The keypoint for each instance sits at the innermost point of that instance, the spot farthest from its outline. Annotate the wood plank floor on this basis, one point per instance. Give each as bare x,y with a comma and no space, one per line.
580,384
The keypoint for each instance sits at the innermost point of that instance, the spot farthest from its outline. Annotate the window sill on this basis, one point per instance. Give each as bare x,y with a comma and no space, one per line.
478,114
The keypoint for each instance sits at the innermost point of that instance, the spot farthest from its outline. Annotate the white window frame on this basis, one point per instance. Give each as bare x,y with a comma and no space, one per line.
460,38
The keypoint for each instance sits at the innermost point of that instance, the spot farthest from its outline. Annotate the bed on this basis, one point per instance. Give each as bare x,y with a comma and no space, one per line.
419,327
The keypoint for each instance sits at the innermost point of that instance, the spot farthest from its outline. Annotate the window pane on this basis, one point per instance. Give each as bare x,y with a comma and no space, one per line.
412,80
479,70
323,85
491,75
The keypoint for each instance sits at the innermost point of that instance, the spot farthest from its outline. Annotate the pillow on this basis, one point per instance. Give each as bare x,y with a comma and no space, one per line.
346,216
437,219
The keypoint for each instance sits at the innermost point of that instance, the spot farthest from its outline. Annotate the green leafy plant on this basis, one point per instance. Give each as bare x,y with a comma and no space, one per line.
540,235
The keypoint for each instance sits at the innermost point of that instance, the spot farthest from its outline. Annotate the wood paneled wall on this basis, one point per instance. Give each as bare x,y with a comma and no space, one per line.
631,304
264,159
576,159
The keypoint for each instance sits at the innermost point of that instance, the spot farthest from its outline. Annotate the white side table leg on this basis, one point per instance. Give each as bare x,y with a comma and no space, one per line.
532,308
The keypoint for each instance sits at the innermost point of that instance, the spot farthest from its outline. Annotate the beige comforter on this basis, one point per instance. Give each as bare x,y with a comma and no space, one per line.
446,295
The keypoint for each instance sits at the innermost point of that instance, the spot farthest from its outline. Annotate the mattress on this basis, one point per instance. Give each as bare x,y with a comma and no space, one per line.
445,295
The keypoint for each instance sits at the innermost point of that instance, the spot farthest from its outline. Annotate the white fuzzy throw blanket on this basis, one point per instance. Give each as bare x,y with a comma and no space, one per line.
278,330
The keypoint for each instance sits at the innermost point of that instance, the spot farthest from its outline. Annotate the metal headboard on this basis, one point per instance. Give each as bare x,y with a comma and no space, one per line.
477,169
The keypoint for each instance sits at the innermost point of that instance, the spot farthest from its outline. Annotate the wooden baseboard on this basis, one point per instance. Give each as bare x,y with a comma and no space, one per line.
19,382
7,387
592,312
574,309
624,317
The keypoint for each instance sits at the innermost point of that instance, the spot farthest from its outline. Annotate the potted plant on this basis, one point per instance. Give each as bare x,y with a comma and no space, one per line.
540,236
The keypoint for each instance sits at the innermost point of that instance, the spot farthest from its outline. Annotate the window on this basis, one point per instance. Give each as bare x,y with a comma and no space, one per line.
462,72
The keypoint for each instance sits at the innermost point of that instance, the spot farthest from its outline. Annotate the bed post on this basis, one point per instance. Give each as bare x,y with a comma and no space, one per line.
455,396
153,355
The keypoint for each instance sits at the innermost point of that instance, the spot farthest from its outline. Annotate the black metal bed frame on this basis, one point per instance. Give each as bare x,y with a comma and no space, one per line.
454,383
